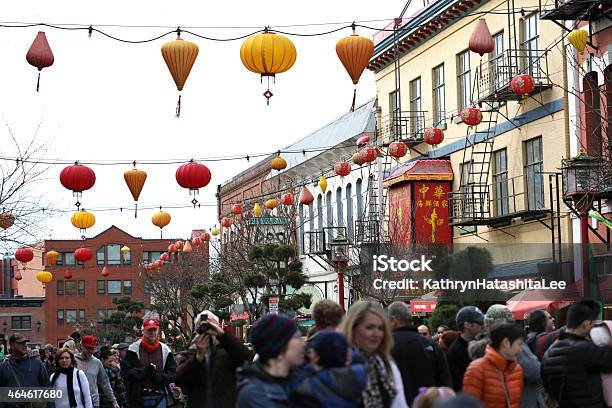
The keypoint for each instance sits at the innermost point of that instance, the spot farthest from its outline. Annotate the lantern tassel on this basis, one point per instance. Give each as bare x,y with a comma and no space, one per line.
38,82
354,98
178,107
135,210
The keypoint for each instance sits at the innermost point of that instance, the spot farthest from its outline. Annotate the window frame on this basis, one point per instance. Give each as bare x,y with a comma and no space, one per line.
59,288
124,286
61,320
101,251
464,80
416,106
22,320
81,283
74,288
534,189
69,259
529,44
68,312
501,195
108,287
114,262
439,96
101,287
496,61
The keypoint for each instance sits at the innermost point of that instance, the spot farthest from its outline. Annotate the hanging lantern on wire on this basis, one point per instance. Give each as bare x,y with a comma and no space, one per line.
398,149
523,85
104,272
342,168
355,53
193,176
362,141
206,237
179,245
578,38
164,257
288,199
323,183
187,247
82,220
215,231
67,275
125,249
17,275
77,178
51,258
271,204
44,277
481,40
471,116
83,255
40,55
278,163
24,255
161,219
226,222
172,248
179,56
135,180
368,154
257,210
197,241
357,159
433,136
306,197
237,209
268,54
6,220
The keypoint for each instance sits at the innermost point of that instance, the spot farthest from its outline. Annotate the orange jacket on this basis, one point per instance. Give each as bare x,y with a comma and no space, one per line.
492,377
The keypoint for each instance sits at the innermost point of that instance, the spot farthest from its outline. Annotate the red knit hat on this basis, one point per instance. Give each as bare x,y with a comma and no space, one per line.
89,341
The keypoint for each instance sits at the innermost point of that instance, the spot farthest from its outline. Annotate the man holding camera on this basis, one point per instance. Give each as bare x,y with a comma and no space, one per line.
208,375
148,368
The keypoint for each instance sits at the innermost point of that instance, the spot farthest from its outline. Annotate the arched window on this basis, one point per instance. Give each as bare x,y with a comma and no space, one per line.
320,212
100,256
339,212
311,217
113,252
330,215
349,210
301,227
359,196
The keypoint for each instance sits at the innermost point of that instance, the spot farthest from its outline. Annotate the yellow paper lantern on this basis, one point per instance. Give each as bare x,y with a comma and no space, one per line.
83,220
257,210
355,53
44,277
278,163
268,54
161,219
578,38
271,204
125,249
323,183
52,257
179,56
215,231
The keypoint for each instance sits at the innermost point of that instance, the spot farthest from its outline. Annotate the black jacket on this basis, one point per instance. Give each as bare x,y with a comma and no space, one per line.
193,376
133,373
539,342
420,360
571,371
458,361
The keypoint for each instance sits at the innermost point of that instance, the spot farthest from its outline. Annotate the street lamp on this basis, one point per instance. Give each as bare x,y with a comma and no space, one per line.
38,324
580,184
340,257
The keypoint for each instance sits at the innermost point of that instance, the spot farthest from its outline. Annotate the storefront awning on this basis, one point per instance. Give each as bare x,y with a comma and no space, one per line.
427,169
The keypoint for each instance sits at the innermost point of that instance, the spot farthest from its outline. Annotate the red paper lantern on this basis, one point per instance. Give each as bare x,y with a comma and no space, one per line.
17,275
363,140
40,55
471,116
83,254
342,168
193,176
172,248
187,247
179,245
288,199
226,222
398,149
77,178
433,136
24,255
306,197
205,237
197,241
67,275
481,41
368,154
158,264
522,84
105,272
237,209
164,256
357,159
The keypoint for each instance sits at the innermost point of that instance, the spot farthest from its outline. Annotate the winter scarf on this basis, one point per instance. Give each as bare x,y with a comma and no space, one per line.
149,347
68,373
379,391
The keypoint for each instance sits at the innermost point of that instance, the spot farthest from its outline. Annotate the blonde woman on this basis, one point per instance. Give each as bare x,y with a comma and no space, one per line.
366,328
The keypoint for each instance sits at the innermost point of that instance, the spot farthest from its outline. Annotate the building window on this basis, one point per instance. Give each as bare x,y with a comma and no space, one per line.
393,102
467,188
102,314
114,254
500,71
127,257
71,316
60,317
349,210
439,100
500,181
320,212
114,287
60,288
81,288
529,45
330,215
127,287
71,287
101,287
21,322
415,106
464,79
533,174
81,315
69,258
149,256
100,257
359,197
60,260
339,209
311,217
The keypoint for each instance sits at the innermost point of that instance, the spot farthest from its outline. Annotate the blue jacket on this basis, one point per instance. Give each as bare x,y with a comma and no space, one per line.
258,389
30,372
331,388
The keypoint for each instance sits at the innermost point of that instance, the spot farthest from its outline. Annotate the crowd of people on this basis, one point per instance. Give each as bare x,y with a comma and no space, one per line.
369,357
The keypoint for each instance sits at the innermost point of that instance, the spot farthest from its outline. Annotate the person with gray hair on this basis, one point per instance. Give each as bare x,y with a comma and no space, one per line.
420,360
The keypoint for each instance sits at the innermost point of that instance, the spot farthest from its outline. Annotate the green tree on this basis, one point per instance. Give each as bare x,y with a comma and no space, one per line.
124,322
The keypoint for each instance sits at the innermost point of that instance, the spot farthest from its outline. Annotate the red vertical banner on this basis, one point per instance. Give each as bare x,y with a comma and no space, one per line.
431,212
400,214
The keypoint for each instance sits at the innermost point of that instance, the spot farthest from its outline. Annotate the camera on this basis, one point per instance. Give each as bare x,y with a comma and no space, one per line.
203,326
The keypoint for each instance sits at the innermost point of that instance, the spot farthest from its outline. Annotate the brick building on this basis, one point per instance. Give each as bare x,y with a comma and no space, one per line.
88,296
25,316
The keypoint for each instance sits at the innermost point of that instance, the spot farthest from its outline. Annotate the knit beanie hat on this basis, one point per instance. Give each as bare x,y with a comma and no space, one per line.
331,347
271,334
498,313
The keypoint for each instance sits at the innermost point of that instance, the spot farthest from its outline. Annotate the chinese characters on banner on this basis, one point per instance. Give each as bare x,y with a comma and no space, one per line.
430,203
400,223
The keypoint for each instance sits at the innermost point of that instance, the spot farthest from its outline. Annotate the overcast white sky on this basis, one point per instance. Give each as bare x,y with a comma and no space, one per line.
105,100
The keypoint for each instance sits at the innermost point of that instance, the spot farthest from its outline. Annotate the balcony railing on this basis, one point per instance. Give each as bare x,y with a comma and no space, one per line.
406,126
498,203
493,77
367,231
